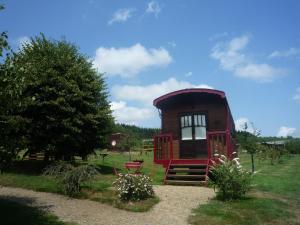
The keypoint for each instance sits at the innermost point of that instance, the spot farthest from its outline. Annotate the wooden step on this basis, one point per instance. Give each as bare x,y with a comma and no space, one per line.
188,165
185,182
187,170
185,176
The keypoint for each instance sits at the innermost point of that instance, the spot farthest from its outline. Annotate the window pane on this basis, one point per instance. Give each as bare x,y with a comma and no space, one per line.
196,121
186,133
190,121
203,120
200,133
182,121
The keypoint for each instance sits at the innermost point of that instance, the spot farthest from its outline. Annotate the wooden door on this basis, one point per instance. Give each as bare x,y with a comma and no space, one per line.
193,143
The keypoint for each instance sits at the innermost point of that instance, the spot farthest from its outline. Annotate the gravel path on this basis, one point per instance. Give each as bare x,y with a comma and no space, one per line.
174,207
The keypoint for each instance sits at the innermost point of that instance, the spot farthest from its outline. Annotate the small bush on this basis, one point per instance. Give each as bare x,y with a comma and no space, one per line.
228,177
293,146
134,187
70,177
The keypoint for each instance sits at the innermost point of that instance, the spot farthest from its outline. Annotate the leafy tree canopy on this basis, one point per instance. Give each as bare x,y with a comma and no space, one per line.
63,99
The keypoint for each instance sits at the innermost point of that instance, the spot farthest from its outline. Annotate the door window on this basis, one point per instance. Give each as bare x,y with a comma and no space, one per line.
186,128
200,127
193,127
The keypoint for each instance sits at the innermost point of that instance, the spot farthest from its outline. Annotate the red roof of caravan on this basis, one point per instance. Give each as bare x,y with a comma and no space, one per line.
157,101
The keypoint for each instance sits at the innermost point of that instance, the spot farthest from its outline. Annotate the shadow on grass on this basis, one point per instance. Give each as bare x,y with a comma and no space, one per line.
36,167
15,211
104,169
29,167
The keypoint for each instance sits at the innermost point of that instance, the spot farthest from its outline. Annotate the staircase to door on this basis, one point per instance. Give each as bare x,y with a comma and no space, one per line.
186,173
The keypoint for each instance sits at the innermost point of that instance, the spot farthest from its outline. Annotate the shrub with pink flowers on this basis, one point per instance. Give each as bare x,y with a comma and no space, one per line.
229,179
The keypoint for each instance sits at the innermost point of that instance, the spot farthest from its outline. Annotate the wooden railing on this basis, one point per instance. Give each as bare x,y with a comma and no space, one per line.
218,143
163,147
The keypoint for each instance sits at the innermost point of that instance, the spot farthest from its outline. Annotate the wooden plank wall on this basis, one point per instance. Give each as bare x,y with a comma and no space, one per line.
216,116
175,149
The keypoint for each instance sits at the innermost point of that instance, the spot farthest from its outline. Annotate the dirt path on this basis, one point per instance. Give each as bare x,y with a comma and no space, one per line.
174,208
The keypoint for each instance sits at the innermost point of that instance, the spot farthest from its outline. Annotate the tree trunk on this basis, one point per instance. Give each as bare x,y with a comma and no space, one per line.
252,162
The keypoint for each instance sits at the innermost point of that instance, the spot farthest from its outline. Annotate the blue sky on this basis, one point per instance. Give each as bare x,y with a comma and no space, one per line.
249,49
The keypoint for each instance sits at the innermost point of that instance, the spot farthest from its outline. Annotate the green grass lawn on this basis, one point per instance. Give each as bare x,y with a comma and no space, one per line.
28,175
13,213
275,198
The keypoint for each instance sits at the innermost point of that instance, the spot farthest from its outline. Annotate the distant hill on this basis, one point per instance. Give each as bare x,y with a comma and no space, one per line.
135,131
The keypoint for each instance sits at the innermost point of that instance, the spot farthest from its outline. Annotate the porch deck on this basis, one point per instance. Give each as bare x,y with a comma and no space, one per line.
167,149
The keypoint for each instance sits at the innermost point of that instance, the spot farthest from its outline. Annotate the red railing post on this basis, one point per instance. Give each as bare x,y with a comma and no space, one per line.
155,147
171,146
208,144
228,144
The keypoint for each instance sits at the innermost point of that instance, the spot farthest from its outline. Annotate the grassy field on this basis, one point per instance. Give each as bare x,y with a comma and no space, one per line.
28,174
275,198
13,213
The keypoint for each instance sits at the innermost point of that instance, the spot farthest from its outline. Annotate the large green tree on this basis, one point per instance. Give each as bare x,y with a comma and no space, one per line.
63,99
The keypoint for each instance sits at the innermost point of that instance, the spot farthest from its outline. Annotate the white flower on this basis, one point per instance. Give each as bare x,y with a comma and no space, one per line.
236,160
223,157
221,161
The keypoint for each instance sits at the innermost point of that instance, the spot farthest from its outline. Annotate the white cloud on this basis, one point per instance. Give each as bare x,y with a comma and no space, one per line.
146,94
127,62
130,115
188,74
232,59
121,15
240,124
262,72
297,95
23,41
286,131
285,53
153,7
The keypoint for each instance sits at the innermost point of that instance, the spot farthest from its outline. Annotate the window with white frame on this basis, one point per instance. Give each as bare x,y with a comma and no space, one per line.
193,127
186,128
200,127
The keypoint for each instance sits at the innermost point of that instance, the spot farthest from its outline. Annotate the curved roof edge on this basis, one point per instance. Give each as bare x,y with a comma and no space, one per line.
189,90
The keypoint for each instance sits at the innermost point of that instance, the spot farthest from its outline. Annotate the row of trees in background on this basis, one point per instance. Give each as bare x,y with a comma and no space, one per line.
292,144
135,134
52,100
255,145
138,132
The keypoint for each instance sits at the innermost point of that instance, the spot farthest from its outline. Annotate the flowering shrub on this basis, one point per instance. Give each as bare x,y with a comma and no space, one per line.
134,187
228,177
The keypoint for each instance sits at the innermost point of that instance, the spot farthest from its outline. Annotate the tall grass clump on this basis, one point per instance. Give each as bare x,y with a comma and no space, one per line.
229,179
69,177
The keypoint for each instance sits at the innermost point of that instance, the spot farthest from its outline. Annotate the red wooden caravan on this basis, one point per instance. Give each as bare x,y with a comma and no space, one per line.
195,124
